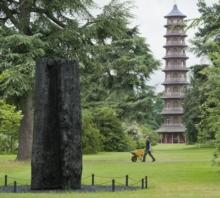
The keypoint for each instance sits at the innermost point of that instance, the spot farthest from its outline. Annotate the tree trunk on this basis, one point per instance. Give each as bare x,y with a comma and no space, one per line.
26,130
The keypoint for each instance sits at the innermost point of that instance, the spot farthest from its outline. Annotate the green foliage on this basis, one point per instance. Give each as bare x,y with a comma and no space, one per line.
147,131
210,110
91,142
17,63
129,63
120,79
57,29
208,43
9,124
193,100
104,131
208,28
136,135
113,136
117,84
138,132
143,108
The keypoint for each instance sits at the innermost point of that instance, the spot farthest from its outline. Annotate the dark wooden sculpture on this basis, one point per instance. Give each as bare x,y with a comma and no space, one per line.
57,154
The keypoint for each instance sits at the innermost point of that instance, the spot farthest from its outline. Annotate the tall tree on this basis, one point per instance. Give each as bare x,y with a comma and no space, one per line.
207,43
208,28
18,54
62,29
210,110
121,81
192,102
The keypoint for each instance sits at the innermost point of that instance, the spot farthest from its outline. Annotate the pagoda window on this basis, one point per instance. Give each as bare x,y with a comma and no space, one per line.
176,120
175,104
184,89
179,21
182,63
168,89
175,62
182,41
169,21
175,75
175,89
168,105
168,121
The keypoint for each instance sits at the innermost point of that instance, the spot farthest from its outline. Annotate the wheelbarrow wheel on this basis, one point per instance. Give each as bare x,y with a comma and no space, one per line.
133,158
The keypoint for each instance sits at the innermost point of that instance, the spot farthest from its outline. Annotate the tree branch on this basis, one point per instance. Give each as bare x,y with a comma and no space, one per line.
13,2
87,24
3,19
49,16
9,14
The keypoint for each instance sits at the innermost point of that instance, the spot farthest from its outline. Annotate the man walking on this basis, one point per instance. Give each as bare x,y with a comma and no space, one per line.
148,150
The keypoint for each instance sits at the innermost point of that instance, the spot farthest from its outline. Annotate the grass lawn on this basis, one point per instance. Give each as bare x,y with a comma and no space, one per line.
180,171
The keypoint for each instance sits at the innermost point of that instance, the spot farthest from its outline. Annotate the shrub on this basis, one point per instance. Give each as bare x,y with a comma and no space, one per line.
110,126
138,132
9,125
91,141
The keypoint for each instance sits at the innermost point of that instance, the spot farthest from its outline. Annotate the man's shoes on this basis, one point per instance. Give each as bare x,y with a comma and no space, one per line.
153,160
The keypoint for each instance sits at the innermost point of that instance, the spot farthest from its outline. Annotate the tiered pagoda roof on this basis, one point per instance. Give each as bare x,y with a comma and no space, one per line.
175,13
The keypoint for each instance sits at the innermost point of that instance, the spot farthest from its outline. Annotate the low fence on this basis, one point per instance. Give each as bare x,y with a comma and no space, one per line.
124,181
13,182
92,180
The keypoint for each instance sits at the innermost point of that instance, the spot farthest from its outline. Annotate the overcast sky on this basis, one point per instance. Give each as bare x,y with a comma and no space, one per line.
149,16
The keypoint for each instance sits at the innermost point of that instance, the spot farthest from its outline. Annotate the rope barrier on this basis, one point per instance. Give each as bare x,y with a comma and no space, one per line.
133,179
119,177
136,182
119,183
122,177
107,182
103,177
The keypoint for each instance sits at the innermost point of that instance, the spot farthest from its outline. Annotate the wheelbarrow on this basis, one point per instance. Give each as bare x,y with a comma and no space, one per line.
137,154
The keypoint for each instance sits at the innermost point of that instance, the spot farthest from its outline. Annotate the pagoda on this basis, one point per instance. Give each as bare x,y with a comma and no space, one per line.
172,131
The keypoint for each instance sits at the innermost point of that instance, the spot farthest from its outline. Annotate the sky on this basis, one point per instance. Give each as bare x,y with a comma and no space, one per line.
149,17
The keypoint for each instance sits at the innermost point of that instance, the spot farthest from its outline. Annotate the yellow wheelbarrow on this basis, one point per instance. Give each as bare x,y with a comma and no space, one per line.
137,154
